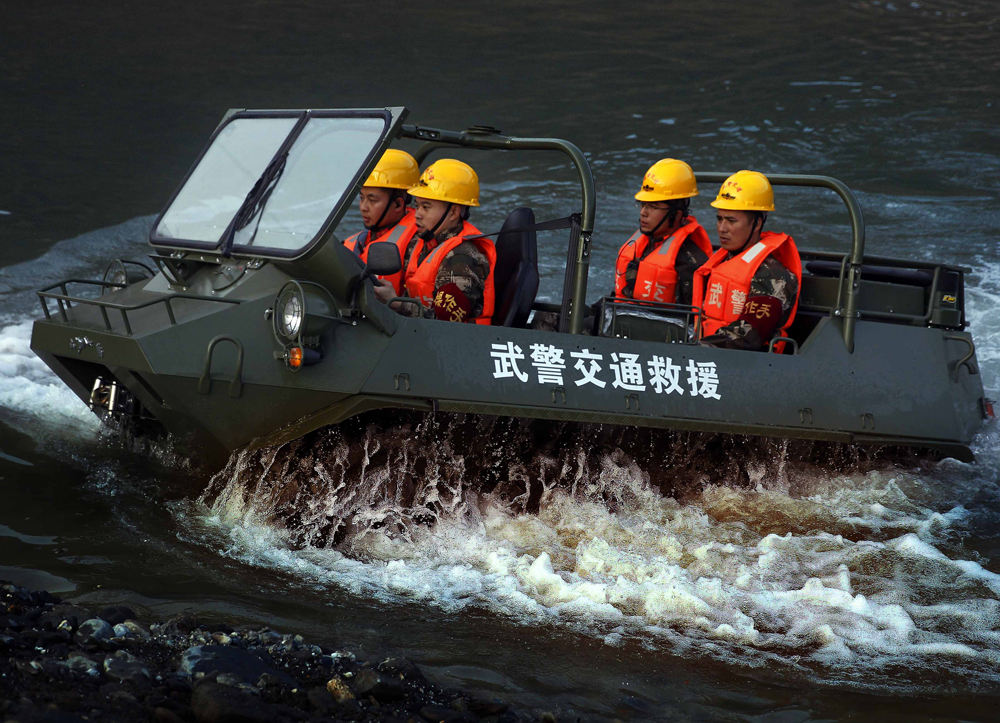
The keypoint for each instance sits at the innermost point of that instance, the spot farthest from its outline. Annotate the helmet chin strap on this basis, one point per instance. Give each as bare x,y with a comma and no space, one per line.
378,224
652,234
429,234
762,217
670,215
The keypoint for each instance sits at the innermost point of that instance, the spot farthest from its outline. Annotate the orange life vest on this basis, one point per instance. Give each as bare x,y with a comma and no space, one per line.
400,235
721,286
421,275
656,279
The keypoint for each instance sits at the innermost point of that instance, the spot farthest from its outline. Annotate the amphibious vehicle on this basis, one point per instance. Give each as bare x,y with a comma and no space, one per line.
254,325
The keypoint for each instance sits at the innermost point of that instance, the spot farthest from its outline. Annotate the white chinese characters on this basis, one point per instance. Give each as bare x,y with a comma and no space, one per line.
505,358
549,362
623,371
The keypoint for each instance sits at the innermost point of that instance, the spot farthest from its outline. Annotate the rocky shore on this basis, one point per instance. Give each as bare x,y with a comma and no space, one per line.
62,663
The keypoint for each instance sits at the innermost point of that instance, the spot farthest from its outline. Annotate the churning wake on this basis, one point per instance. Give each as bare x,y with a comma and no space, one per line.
781,562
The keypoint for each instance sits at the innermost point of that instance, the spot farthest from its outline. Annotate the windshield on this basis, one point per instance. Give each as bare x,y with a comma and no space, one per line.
321,165
280,178
206,204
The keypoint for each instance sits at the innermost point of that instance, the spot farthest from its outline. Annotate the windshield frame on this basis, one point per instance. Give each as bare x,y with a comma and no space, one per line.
391,117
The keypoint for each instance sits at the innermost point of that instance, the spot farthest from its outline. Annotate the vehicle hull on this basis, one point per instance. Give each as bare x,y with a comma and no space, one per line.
901,385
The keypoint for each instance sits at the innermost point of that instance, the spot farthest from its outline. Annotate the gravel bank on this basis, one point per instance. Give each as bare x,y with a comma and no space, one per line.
61,663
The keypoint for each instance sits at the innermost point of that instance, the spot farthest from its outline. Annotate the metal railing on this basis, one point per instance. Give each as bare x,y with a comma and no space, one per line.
578,255
65,301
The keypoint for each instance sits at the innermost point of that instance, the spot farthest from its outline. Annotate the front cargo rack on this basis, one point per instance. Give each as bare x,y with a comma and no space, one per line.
65,301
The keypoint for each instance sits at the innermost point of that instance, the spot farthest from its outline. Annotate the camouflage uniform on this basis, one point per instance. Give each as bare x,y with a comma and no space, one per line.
465,266
690,258
771,279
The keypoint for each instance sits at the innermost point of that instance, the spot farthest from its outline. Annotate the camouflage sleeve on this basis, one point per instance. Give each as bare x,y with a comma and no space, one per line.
468,268
690,258
771,280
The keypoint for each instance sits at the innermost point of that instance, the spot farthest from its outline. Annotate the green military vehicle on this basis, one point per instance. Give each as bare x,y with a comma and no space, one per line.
257,325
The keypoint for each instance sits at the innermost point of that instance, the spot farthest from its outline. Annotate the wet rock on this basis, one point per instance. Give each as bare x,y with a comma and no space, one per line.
14,622
287,712
60,716
116,614
165,715
214,703
54,637
82,665
339,689
126,668
122,697
322,700
222,638
248,665
92,631
400,666
487,706
73,615
548,717
268,681
441,714
12,640
380,687
28,667
183,624
229,679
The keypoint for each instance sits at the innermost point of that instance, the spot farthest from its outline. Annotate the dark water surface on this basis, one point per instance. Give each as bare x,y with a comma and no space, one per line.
857,594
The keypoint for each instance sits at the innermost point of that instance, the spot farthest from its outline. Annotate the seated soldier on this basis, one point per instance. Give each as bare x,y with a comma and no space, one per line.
384,204
749,290
659,261
447,266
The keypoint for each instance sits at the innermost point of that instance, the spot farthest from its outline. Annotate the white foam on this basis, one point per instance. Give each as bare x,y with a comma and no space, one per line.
28,386
874,589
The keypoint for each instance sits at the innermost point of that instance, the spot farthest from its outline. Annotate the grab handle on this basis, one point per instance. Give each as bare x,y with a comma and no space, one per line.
236,385
965,361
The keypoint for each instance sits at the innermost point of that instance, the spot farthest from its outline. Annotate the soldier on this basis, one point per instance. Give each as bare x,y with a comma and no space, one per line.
749,290
447,266
659,261
384,204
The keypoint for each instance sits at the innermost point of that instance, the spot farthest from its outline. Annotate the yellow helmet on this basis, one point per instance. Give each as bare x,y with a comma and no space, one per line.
395,169
667,180
746,191
450,181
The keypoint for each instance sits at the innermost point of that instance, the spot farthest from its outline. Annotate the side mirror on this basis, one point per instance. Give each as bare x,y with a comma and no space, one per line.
383,259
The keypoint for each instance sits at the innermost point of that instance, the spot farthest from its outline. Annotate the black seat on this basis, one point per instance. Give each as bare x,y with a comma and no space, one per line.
515,277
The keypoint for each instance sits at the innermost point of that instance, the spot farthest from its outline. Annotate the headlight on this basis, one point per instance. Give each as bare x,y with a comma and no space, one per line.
120,273
303,312
291,316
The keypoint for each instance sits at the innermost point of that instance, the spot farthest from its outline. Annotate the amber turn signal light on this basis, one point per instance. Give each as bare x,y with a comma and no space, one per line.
295,357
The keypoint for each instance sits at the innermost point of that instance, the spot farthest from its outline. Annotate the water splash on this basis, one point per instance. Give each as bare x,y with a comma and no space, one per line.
771,563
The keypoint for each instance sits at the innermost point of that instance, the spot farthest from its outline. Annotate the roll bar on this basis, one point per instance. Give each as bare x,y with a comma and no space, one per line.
578,259
852,267
486,138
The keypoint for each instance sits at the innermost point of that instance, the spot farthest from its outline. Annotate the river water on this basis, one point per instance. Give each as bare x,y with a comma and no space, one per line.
842,589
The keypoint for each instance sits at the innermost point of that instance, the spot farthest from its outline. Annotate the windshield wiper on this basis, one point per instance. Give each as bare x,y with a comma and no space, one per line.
253,205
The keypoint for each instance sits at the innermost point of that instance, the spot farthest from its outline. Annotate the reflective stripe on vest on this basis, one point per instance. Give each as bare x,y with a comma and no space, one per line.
656,277
722,285
421,276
